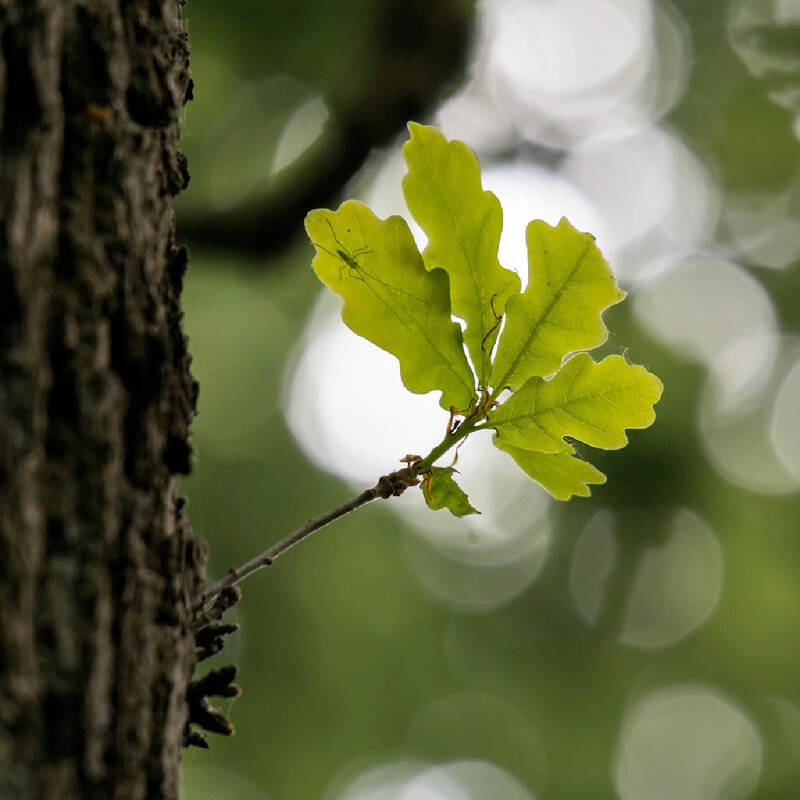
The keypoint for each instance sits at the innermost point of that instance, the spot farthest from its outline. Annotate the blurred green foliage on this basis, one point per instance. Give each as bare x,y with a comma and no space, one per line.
347,660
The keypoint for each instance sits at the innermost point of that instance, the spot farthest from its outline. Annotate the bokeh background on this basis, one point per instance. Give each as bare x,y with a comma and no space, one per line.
643,644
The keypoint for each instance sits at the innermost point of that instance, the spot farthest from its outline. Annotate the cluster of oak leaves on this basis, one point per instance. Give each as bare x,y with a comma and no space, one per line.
526,377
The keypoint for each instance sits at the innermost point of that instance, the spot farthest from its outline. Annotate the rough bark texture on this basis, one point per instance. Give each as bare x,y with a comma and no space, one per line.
97,565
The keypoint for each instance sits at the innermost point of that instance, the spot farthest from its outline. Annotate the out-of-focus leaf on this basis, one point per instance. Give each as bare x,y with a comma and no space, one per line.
462,222
391,299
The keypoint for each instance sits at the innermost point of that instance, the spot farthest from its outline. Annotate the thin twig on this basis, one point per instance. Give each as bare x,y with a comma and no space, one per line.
390,485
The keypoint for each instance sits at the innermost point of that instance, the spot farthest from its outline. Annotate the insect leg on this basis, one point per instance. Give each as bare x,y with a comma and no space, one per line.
335,237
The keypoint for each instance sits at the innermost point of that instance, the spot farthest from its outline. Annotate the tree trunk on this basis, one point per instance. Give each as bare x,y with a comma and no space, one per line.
97,565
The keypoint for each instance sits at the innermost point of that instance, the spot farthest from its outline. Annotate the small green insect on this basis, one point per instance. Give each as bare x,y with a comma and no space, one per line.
347,256
349,259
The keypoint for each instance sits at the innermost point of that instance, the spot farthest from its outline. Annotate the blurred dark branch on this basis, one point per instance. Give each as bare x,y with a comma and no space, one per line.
268,224
421,49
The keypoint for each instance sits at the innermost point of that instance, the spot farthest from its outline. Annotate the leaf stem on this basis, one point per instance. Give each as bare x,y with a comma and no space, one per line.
450,439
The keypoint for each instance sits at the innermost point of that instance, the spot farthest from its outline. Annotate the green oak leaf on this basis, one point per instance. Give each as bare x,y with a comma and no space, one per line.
391,299
561,474
441,491
588,401
569,286
403,300
462,222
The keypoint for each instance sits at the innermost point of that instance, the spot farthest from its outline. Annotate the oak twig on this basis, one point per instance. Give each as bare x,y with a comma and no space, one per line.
391,485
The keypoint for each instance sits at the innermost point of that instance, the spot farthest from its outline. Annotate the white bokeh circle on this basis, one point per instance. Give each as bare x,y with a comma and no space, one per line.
687,742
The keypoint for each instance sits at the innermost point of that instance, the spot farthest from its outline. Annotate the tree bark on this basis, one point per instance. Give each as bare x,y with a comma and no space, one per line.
98,569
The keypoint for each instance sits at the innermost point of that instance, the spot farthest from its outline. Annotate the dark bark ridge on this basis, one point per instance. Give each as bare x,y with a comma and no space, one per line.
98,569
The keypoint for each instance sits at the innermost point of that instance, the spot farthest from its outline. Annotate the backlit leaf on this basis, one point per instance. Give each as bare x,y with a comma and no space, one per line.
403,301
562,474
592,402
441,491
569,286
391,299
462,222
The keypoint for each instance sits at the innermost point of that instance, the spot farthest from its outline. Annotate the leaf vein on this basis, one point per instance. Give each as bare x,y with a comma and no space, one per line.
546,312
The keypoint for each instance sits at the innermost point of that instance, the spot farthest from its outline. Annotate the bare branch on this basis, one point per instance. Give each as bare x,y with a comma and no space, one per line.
391,485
